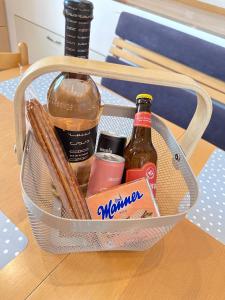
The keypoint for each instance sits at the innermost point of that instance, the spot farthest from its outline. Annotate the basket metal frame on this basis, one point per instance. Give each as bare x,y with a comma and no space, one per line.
184,150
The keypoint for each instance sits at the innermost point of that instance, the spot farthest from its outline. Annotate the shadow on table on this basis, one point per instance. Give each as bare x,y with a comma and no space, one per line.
180,268
100,267
177,258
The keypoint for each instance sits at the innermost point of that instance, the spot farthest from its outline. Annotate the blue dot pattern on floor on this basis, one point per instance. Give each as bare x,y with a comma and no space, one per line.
40,87
8,88
209,211
12,241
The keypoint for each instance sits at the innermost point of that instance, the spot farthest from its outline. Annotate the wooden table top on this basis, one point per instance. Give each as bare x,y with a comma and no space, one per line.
186,264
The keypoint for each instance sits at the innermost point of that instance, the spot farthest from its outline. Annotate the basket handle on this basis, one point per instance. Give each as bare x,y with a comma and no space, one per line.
191,136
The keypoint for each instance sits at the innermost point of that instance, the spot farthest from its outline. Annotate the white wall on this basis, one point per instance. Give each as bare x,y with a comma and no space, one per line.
49,14
220,3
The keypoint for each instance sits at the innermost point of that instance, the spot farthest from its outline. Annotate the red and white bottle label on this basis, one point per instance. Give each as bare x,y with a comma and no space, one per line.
142,119
148,170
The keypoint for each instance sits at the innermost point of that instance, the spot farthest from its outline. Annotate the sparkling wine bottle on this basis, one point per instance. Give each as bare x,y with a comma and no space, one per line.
73,99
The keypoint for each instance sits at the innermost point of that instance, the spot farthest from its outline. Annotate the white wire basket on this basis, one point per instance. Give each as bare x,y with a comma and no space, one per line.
177,189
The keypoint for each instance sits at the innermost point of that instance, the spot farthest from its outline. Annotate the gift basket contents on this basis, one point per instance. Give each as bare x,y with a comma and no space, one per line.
121,178
100,177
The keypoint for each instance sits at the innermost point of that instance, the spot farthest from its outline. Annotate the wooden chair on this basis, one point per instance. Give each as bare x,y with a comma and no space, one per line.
146,58
13,60
143,43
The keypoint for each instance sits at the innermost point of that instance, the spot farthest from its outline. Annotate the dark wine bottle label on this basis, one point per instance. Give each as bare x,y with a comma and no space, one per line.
78,145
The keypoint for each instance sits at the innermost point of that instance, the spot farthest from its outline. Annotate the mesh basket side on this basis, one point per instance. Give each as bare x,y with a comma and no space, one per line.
176,193
56,241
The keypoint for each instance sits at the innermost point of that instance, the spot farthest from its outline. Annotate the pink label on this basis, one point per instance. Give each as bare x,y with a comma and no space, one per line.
148,170
142,119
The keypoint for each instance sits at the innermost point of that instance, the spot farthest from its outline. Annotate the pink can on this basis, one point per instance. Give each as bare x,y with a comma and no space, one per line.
106,172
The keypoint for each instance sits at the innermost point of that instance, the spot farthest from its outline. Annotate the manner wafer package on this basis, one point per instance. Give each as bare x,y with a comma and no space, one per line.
127,201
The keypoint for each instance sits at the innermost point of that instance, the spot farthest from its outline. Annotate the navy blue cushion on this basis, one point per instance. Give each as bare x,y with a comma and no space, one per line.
181,47
175,105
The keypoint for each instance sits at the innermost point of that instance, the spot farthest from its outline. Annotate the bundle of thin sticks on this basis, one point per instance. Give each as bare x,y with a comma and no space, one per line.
60,170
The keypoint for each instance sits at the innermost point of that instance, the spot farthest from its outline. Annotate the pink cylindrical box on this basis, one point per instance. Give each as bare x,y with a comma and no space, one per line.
106,172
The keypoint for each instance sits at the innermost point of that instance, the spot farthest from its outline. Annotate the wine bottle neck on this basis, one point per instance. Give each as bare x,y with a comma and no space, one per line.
77,40
78,16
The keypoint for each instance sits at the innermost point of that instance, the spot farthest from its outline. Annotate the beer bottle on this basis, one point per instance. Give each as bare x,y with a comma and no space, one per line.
140,154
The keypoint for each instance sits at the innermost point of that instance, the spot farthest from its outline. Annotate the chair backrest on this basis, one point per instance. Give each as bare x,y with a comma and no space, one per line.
141,42
142,57
10,60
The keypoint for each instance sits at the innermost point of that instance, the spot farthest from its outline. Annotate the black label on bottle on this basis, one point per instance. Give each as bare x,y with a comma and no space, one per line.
78,145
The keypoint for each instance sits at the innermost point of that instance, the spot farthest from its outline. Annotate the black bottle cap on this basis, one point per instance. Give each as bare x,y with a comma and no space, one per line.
78,9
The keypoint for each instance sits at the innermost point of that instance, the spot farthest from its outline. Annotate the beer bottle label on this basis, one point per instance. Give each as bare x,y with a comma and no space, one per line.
142,119
148,170
78,145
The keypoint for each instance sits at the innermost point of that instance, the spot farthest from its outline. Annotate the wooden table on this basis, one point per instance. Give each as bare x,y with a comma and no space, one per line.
186,264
